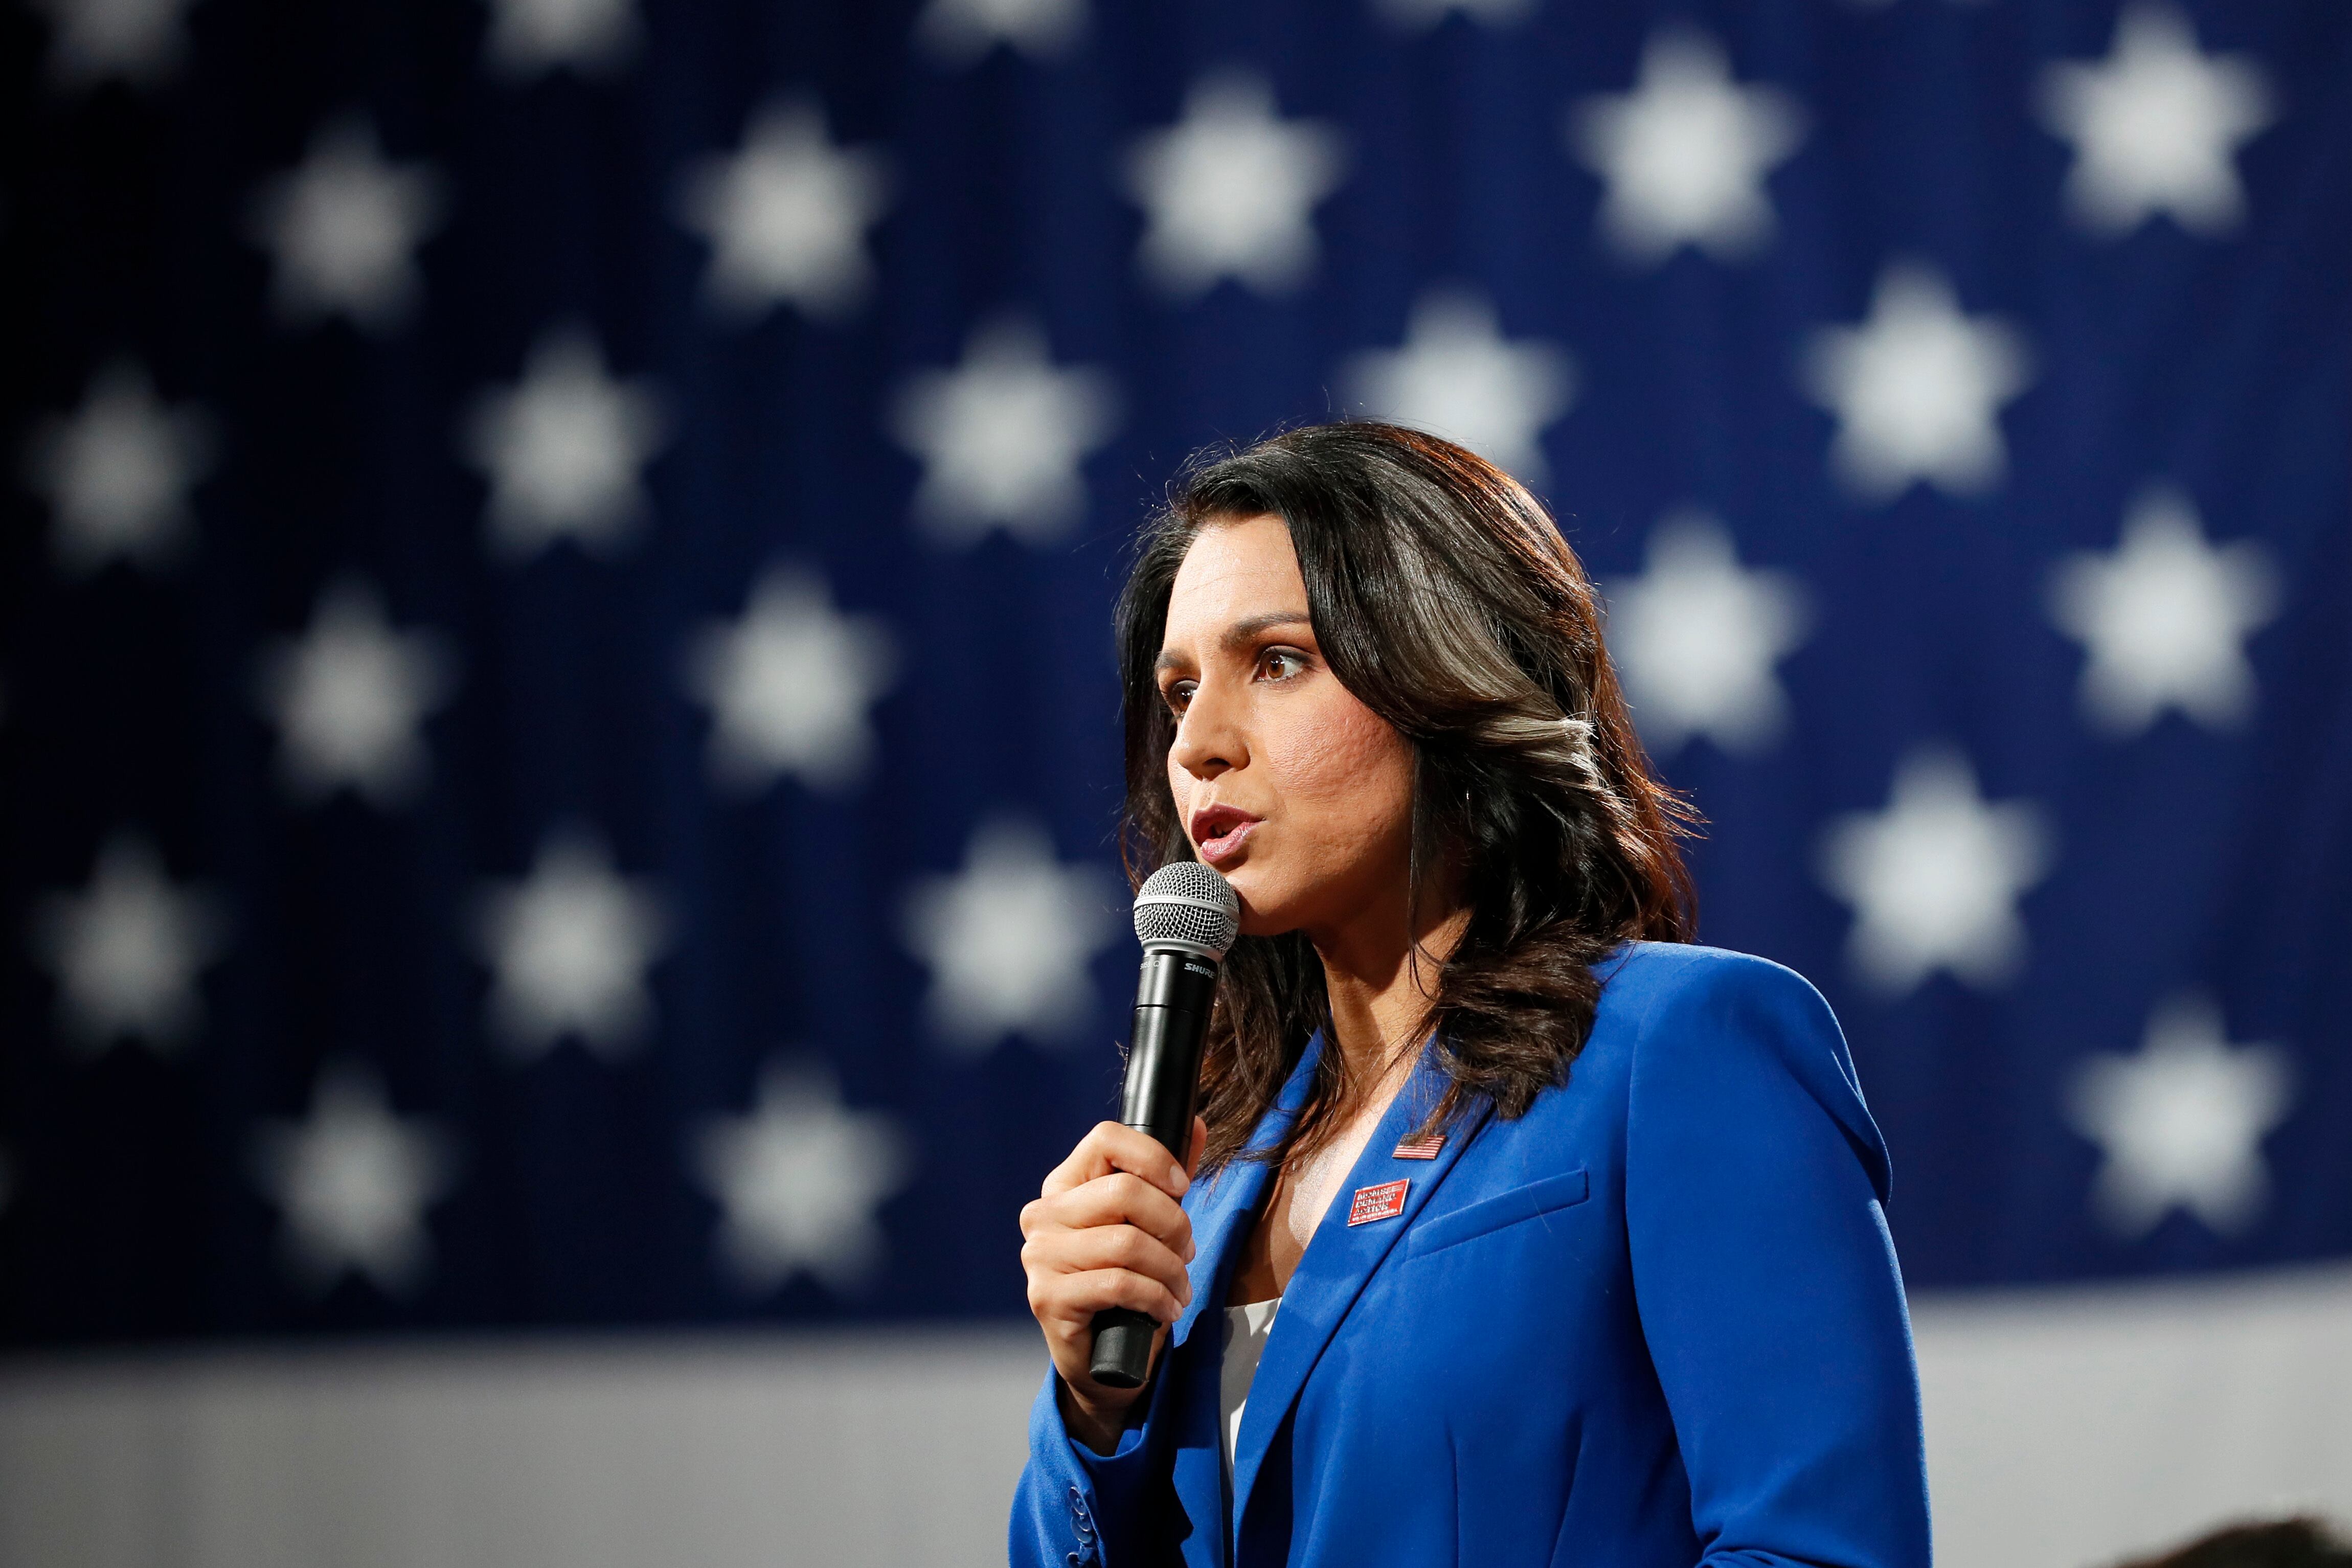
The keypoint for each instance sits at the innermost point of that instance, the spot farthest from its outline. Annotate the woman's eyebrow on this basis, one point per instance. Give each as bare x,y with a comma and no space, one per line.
1237,637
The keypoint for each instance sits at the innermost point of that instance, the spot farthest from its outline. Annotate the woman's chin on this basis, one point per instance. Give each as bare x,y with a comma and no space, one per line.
1259,917
1269,907
1238,876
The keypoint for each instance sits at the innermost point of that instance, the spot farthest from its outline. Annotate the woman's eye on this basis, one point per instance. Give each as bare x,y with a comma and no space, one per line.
1178,696
1280,664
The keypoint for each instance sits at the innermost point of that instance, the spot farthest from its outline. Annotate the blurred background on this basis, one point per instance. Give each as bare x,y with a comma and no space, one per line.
558,735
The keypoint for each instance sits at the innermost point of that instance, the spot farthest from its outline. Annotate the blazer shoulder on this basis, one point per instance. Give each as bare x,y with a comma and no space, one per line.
1643,976
1695,1020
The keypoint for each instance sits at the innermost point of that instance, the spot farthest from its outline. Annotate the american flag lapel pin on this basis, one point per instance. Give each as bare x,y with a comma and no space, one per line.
1422,1147
1385,1201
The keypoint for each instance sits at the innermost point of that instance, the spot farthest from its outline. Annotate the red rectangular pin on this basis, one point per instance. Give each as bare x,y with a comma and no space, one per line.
1385,1201
1423,1148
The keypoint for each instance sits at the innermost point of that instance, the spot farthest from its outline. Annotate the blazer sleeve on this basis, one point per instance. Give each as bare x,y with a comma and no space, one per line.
1766,1279
1078,1509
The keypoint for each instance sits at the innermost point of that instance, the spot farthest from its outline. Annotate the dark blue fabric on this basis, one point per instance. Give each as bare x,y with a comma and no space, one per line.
1655,1321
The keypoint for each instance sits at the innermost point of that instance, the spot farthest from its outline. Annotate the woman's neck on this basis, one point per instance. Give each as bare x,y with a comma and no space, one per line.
1381,978
1380,989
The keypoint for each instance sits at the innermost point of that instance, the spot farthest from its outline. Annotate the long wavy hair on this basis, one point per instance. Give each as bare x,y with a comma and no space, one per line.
1445,599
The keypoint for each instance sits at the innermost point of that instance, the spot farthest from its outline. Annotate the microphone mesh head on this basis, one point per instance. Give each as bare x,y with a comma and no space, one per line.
1187,903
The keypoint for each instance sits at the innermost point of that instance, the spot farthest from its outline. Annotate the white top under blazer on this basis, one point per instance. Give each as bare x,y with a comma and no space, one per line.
1247,1328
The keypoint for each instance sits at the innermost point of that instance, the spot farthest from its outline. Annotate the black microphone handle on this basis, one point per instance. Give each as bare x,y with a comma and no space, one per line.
1173,997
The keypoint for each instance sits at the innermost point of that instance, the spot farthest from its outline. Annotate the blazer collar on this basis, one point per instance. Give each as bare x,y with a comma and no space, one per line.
1339,1259
1232,1196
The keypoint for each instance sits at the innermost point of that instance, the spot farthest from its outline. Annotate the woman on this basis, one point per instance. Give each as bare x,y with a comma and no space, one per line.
1516,1230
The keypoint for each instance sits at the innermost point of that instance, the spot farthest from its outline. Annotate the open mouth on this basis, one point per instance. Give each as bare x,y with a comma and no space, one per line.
1219,831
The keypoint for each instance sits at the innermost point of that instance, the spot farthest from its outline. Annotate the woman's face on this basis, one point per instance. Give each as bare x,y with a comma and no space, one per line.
1288,784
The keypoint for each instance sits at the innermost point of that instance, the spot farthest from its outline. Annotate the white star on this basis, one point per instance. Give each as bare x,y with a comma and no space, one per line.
126,951
1935,878
1696,636
530,38
348,697
118,473
564,449
1422,14
799,1179
786,218
571,944
343,228
353,1181
958,32
2181,1124
2157,127
1227,189
1457,377
1685,153
137,41
1916,390
2166,617
1002,436
1008,939
789,685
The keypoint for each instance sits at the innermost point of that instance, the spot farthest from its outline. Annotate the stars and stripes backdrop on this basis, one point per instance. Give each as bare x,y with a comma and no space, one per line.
557,723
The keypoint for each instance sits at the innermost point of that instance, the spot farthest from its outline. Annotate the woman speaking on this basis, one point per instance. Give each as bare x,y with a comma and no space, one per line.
1514,1230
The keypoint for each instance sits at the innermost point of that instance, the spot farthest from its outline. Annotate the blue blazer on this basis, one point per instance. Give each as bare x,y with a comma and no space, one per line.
1656,1322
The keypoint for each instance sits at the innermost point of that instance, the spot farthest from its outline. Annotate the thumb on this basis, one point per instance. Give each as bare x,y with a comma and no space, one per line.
1200,1143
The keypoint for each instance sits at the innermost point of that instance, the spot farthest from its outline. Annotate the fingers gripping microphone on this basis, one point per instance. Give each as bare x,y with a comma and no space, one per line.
1186,916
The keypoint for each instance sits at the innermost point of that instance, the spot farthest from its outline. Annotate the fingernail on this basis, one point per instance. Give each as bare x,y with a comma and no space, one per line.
1178,1181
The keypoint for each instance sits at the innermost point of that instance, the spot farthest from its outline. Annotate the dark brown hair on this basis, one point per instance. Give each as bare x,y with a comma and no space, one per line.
1446,600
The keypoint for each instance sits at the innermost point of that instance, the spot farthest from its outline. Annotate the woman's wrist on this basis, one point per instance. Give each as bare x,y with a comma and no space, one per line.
1096,1423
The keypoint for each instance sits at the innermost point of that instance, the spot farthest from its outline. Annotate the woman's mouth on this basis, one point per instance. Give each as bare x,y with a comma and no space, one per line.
1219,831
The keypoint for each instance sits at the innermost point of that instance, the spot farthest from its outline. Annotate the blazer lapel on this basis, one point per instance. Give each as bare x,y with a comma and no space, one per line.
1219,1224
1337,1261
1233,1198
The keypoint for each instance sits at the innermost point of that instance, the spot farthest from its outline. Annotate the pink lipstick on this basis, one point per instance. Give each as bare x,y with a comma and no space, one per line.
1220,832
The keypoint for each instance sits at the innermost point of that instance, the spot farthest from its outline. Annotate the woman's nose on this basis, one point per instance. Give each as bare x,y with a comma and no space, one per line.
1207,741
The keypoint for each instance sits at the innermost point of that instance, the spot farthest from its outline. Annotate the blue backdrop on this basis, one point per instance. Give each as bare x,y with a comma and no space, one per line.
558,731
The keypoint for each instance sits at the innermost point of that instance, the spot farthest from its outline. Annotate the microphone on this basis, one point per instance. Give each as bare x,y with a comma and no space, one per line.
1186,916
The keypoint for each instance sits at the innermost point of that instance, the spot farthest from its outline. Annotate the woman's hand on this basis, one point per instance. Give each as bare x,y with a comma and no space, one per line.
1106,1232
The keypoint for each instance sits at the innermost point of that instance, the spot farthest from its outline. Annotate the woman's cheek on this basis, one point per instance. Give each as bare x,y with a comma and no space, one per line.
1347,755
1180,785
